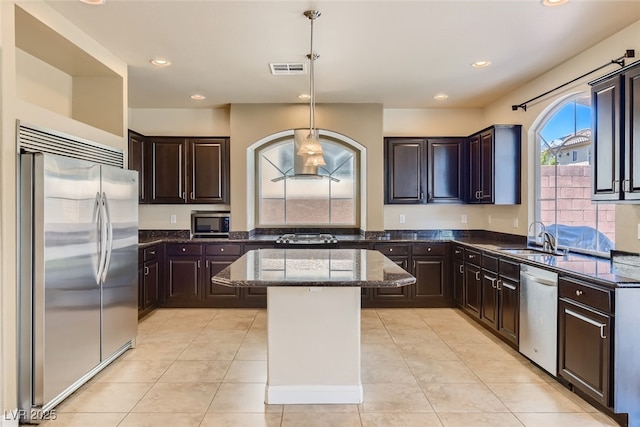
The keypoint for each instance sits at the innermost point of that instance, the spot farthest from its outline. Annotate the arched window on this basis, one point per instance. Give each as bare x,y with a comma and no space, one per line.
563,180
290,193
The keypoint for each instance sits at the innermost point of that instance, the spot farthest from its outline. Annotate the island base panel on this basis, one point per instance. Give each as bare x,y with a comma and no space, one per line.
313,353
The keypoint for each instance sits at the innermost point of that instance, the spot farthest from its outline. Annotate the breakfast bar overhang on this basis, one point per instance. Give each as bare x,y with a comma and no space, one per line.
313,317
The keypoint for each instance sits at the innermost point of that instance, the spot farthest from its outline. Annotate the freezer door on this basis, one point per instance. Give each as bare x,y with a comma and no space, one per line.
66,292
120,275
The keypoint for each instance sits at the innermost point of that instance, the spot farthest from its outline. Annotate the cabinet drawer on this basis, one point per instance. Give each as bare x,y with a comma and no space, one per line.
223,249
393,249
458,252
150,253
585,293
510,269
186,249
490,263
472,256
429,249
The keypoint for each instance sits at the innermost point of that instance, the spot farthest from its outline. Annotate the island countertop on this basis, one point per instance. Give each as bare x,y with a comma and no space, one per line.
313,267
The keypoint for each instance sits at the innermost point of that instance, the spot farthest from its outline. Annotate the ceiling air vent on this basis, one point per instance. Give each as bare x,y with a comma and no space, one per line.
287,68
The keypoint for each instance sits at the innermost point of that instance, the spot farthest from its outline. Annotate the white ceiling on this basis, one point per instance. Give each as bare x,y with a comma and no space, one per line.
398,53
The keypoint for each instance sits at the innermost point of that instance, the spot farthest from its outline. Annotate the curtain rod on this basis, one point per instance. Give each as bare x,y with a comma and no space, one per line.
630,53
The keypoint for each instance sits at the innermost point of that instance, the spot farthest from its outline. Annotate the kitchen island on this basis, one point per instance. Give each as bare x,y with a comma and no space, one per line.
313,317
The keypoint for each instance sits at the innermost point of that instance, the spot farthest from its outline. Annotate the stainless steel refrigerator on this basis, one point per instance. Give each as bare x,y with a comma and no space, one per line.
78,274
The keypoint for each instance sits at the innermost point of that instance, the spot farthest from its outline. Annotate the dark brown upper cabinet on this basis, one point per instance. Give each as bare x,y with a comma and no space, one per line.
136,154
423,170
405,170
494,172
445,162
615,109
180,170
208,168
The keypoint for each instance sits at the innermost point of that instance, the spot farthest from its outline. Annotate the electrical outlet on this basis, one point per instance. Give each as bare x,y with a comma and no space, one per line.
402,219
515,222
172,219
463,218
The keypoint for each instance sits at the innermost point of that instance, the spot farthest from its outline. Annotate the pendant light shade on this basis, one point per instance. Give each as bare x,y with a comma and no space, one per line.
311,145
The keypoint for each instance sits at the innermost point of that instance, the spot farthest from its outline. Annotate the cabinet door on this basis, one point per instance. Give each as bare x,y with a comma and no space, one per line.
605,122
475,170
486,167
140,288
430,289
489,307
208,170
508,308
150,288
214,265
458,282
472,289
631,183
167,170
183,278
585,350
137,161
405,171
444,163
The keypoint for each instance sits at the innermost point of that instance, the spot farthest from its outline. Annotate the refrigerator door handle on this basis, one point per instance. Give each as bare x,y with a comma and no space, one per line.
109,231
99,218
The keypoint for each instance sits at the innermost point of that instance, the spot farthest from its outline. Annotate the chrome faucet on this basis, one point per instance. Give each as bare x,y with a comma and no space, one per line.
548,241
533,224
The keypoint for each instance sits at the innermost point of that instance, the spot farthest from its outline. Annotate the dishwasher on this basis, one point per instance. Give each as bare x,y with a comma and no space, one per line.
539,316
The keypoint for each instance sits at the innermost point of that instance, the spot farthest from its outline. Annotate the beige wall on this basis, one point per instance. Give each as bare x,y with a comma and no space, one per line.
253,122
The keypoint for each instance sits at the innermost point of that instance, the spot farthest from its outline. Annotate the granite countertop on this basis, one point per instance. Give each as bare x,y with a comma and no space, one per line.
620,271
313,267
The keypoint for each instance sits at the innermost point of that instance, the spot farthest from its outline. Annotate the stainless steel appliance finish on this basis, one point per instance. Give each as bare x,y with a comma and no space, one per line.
539,316
210,224
299,240
78,274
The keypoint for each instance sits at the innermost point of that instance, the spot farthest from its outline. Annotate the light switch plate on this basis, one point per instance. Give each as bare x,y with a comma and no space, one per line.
402,219
172,219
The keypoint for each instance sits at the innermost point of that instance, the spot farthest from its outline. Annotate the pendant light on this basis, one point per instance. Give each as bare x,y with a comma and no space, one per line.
311,145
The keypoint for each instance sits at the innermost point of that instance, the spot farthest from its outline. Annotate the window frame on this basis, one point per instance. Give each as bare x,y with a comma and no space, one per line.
328,136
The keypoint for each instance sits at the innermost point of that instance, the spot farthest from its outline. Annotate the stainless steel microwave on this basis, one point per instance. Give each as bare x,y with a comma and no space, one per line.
210,224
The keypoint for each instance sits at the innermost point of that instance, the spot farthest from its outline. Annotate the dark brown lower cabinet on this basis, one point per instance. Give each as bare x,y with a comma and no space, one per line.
148,280
489,305
509,309
398,253
431,269
183,275
472,289
214,265
584,353
458,282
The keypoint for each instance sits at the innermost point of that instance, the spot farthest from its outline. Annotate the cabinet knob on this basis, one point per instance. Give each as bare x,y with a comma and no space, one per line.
184,249
390,249
221,249
428,249
579,292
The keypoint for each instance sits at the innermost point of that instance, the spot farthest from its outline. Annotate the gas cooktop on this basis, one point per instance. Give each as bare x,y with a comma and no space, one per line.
315,240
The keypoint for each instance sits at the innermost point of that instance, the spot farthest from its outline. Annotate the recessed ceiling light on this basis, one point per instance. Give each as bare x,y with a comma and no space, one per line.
94,2
553,2
480,64
304,96
198,97
441,96
160,62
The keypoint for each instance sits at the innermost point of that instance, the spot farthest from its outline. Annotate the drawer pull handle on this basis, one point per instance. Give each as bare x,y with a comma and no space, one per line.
152,252
457,252
471,256
510,287
589,321
579,292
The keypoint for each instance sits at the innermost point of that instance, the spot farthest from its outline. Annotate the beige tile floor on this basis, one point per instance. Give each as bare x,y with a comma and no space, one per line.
420,367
